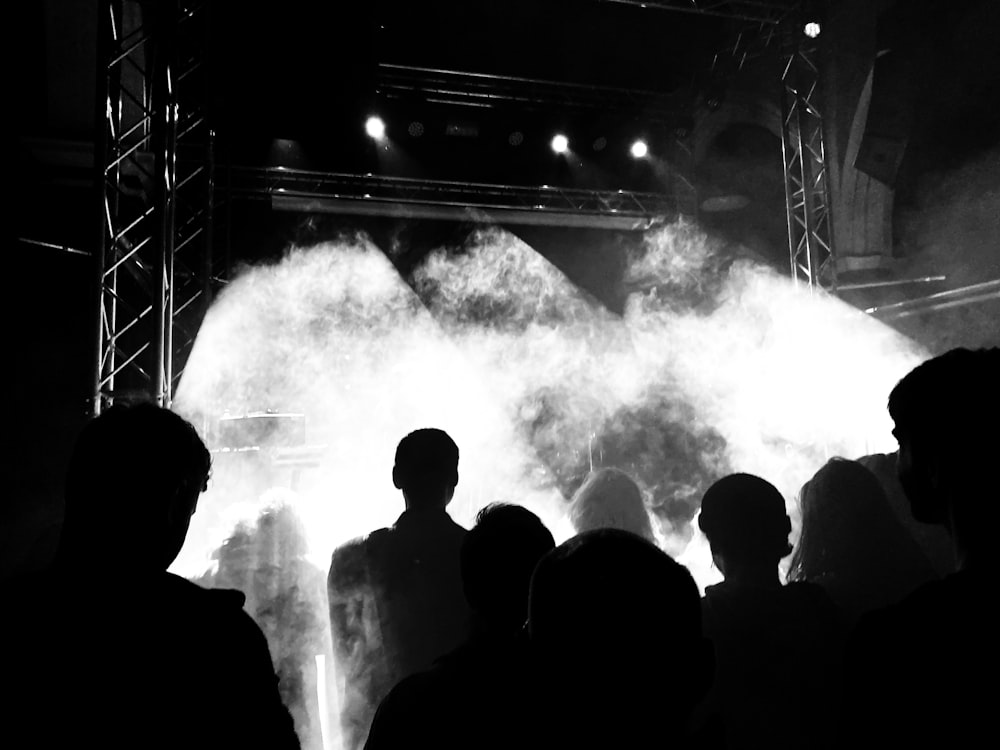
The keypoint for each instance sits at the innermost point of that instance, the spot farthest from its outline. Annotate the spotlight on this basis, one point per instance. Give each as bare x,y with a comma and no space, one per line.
560,143
416,129
600,143
639,149
812,30
516,138
375,128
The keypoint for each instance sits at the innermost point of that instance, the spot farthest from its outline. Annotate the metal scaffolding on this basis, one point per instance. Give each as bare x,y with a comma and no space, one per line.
376,195
154,186
807,193
154,269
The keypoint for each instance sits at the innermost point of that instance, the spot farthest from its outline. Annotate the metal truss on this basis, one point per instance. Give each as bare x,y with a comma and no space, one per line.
486,90
756,11
807,193
300,190
154,186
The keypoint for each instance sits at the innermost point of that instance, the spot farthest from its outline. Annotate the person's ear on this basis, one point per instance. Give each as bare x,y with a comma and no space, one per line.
395,478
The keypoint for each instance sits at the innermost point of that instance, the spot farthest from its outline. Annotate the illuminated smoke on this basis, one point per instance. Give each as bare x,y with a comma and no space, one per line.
716,365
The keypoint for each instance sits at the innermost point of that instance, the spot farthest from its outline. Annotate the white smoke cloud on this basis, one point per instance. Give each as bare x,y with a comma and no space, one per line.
534,379
715,366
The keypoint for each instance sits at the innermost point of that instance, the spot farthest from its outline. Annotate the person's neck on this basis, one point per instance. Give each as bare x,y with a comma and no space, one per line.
752,575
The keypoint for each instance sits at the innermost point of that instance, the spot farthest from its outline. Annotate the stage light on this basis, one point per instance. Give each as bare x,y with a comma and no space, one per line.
375,128
560,143
600,143
639,149
416,129
516,138
812,30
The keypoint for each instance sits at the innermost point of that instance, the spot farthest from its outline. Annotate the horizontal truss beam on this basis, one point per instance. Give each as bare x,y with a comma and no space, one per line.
299,190
487,90
757,11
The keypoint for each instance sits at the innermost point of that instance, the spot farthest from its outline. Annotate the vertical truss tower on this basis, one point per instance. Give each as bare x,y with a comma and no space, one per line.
154,187
153,274
807,194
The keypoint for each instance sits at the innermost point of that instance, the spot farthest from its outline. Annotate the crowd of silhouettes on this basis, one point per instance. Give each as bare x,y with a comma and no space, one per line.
498,637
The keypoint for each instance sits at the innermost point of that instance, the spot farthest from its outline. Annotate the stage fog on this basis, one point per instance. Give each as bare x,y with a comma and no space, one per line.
717,364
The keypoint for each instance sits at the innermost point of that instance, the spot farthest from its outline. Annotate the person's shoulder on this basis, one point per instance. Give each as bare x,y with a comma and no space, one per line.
809,594
350,559
185,594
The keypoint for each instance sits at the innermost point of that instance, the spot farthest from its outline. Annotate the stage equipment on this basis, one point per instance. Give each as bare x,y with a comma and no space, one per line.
375,128
153,270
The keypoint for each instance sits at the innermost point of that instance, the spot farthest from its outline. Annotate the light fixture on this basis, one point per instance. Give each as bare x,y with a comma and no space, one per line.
639,149
812,30
560,143
375,127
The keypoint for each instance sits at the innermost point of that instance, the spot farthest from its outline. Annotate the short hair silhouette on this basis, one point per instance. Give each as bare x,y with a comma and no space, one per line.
498,557
610,499
743,516
426,465
133,482
615,626
946,400
946,411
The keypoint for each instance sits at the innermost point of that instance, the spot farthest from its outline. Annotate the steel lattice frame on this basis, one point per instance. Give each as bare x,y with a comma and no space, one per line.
154,266
154,186
807,193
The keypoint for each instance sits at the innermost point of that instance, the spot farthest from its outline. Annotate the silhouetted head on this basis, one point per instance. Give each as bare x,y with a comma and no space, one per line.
947,421
498,557
131,489
280,535
744,519
426,468
610,499
615,625
946,413
850,533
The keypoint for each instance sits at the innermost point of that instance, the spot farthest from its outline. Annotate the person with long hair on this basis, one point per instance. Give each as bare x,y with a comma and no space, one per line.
852,543
610,499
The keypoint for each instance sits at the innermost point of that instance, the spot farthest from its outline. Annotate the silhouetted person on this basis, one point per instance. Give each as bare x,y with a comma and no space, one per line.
396,601
113,651
777,647
610,499
474,695
851,543
923,672
615,634
934,542
286,596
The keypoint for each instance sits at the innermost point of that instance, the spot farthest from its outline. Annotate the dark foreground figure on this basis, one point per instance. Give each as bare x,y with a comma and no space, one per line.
396,601
778,648
618,657
476,696
108,649
924,672
852,543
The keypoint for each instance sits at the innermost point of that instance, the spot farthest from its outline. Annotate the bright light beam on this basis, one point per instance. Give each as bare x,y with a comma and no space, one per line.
560,143
639,149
